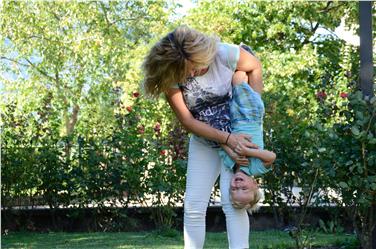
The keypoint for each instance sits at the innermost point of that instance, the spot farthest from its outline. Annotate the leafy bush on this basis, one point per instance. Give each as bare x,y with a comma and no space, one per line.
141,162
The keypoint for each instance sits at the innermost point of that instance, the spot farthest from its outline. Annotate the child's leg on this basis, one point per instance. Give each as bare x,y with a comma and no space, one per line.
239,77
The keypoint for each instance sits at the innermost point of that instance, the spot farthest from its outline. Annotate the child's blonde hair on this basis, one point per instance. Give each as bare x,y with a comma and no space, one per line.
251,206
170,59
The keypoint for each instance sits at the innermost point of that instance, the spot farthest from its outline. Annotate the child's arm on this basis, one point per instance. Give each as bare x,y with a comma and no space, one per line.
240,160
266,156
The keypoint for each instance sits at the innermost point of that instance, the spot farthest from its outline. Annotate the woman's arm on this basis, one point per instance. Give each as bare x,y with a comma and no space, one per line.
252,66
176,101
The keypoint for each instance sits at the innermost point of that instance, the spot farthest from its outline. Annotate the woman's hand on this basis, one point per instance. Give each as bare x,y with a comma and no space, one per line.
238,140
241,149
240,160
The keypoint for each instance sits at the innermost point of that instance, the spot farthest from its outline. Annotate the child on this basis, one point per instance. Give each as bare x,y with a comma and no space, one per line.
246,111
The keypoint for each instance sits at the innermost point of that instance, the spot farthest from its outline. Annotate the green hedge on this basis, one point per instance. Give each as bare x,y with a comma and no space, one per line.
139,158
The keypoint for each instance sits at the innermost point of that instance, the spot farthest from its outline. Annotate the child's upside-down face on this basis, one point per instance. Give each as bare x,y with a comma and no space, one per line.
242,187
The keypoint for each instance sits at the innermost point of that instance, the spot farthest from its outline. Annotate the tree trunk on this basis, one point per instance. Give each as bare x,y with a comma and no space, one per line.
71,122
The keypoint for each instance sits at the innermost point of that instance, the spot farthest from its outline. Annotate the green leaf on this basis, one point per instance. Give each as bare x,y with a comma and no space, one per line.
355,130
343,185
322,150
372,140
373,100
348,163
373,186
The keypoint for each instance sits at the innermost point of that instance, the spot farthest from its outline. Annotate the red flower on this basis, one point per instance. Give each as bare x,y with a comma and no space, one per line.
343,95
321,95
157,127
129,108
136,94
141,129
163,152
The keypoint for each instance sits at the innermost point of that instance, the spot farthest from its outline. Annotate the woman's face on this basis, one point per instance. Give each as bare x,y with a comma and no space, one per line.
197,70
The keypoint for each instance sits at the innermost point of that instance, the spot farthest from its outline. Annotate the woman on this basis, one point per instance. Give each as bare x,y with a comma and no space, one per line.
194,71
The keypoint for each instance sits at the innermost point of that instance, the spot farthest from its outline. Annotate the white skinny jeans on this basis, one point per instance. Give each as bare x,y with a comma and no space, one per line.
204,166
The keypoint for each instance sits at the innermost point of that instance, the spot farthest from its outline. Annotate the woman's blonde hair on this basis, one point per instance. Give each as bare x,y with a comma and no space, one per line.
170,60
251,206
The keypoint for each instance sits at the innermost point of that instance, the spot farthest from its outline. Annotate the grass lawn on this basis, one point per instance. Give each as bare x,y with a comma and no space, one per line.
261,240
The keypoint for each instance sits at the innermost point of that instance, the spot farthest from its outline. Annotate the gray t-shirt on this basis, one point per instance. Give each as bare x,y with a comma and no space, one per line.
207,96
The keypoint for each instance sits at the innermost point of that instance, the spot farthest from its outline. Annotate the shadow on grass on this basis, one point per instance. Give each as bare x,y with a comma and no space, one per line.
89,240
166,239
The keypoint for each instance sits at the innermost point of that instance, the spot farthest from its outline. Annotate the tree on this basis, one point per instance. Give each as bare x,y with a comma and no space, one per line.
79,53
70,71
